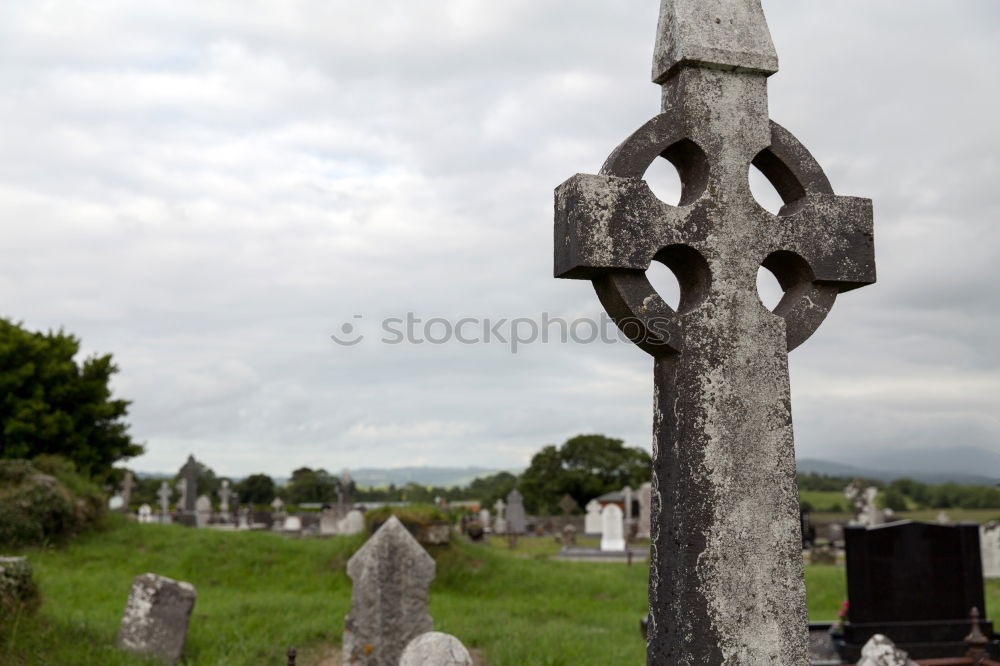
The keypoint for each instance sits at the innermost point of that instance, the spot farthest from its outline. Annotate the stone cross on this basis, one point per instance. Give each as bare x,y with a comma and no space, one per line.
568,504
190,475
128,483
164,493
725,584
391,575
225,494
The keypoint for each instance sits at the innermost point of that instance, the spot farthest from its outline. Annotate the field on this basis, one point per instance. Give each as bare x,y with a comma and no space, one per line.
260,593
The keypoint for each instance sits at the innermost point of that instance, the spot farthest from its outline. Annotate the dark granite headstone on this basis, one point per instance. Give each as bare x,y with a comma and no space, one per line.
916,583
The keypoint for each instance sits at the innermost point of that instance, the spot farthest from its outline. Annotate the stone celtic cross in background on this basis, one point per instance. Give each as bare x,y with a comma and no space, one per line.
726,567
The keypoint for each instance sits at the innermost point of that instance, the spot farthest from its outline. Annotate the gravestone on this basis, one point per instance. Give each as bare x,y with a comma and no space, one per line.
592,521
880,651
915,582
145,514
989,545
156,617
328,522
245,518
352,523
116,503
627,494
277,513
128,484
164,494
516,521
182,488
225,494
569,535
391,574
862,497
722,425
484,518
292,524
435,649
202,511
500,522
645,492
612,528
568,505
189,473
345,488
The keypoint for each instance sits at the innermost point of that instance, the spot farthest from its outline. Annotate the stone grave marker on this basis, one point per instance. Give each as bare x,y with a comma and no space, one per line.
499,522
145,514
164,494
515,513
569,535
352,523
277,513
592,521
345,488
245,518
202,511
989,544
612,528
328,521
642,521
435,649
720,356
189,473
567,504
391,575
862,497
880,651
225,494
116,503
484,518
156,617
128,484
627,494
916,583
292,524
182,488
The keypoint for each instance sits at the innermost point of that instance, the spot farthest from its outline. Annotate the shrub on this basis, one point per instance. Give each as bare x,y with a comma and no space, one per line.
414,517
38,507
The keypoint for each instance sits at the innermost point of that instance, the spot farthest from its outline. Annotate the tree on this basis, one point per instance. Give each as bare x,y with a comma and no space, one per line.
585,467
307,485
53,405
256,489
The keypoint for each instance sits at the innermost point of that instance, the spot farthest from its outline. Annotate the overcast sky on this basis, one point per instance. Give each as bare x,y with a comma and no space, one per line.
209,190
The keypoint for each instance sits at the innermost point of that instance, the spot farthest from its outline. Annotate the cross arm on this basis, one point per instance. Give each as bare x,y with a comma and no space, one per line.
603,223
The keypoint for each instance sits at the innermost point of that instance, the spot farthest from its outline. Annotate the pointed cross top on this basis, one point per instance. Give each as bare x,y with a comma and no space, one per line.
717,34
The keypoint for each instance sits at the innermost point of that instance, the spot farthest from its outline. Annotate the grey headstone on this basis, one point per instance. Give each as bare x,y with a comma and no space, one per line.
352,523
156,617
128,484
989,544
202,511
866,511
880,651
225,494
292,524
164,494
592,521
391,574
328,522
723,487
189,473
645,498
435,649
569,535
516,521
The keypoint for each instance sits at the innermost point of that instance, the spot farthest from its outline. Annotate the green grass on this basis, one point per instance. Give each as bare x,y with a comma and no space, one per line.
259,593
824,500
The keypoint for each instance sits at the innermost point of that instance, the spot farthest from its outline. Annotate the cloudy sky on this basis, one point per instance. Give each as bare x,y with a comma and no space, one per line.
210,190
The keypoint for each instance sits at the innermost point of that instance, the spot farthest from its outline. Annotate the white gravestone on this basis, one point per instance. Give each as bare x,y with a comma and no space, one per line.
484,519
592,521
612,528
328,522
202,511
435,649
145,514
156,617
292,524
225,494
500,522
352,523
989,545
277,514
880,651
116,502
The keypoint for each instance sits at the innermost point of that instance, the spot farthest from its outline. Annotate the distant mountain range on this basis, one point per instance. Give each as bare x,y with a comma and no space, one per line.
960,464
445,477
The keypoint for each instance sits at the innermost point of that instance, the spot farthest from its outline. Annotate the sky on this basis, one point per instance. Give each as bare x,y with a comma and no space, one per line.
209,191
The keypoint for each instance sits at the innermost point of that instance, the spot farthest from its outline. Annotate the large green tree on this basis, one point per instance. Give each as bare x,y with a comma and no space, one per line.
52,404
585,466
256,489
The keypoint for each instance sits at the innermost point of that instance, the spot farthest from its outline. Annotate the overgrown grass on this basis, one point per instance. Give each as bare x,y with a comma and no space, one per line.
259,593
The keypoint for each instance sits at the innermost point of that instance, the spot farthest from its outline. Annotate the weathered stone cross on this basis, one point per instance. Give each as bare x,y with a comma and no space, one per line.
164,493
726,567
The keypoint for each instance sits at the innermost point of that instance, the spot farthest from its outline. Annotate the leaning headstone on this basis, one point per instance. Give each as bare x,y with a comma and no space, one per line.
592,521
645,497
915,582
880,651
189,473
989,546
202,511
499,522
156,617
352,523
612,528
722,419
435,649
164,494
516,521
391,574
627,493
145,514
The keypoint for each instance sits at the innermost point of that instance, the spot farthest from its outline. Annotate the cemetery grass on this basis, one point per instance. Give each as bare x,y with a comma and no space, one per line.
259,593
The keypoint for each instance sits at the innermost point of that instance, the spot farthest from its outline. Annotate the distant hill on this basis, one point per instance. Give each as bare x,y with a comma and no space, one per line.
425,476
961,464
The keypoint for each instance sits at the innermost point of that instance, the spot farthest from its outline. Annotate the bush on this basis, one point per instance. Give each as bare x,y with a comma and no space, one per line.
414,517
38,507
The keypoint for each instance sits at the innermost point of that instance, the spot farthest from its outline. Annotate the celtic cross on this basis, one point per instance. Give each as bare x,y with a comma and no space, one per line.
725,581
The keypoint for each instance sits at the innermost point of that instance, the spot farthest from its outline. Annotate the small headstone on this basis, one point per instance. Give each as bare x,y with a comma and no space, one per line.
500,522
484,518
627,493
202,511
989,546
391,574
164,494
277,514
145,514
225,494
128,483
612,528
435,649
244,518
569,535
516,522
645,510
156,617
835,533
328,522
116,503
189,474
592,521
880,651
352,523
292,524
